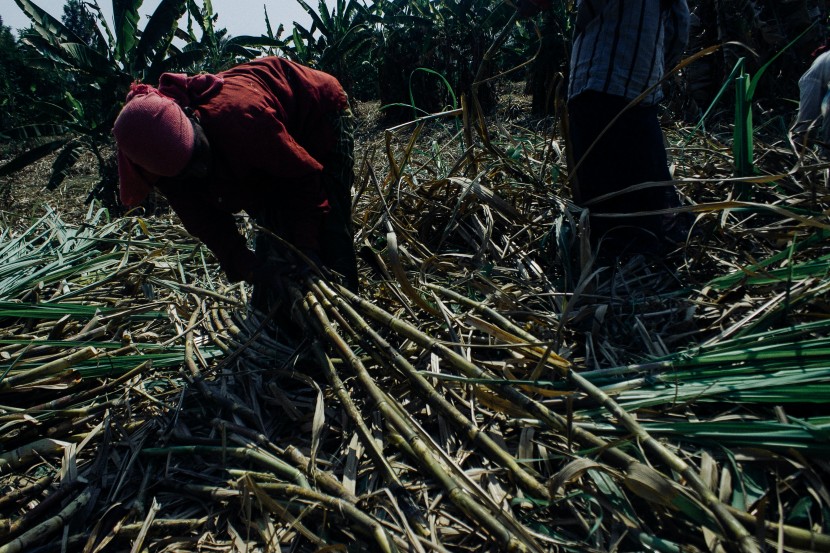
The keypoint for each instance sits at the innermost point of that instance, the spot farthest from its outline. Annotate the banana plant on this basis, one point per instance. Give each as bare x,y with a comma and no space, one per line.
219,50
449,38
339,39
97,79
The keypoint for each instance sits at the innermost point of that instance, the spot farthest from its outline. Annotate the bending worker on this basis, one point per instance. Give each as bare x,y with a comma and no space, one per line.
269,137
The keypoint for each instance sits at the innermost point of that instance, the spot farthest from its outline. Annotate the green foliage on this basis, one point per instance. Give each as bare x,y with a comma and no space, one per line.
746,87
9,70
80,21
340,41
450,38
215,50
552,50
742,140
21,80
97,69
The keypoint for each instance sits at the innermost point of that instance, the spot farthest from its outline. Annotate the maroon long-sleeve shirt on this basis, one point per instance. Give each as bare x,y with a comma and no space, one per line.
269,132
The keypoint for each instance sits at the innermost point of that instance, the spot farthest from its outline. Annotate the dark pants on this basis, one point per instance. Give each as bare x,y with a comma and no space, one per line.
337,237
337,242
630,152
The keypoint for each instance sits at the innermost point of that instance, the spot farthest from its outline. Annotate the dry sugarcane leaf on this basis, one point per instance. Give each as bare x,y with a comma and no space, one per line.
317,424
355,452
507,337
145,527
713,542
491,197
68,472
498,493
111,521
23,420
709,471
725,487
649,484
239,543
526,445
400,275
574,470
495,402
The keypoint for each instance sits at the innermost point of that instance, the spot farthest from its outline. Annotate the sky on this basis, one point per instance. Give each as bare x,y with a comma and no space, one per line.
240,17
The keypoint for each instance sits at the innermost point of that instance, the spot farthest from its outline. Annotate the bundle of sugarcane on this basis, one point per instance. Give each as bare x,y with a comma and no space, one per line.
492,387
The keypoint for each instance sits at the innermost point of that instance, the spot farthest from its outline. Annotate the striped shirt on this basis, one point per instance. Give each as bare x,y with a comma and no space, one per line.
813,87
623,47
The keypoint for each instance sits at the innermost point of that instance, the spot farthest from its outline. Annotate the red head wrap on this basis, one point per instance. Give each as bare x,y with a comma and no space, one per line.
154,136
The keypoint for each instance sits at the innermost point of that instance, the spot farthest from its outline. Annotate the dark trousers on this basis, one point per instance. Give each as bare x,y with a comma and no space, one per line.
630,152
337,235
337,242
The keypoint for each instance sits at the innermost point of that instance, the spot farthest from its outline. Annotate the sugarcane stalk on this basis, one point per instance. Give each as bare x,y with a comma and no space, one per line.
460,496
372,448
397,488
178,527
199,381
213,492
495,452
745,540
164,526
428,343
134,268
77,419
189,288
227,320
300,461
92,393
291,492
19,494
250,338
52,367
468,134
793,536
324,478
248,486
21,455
12,528
251,453
367,524
215,328
49,526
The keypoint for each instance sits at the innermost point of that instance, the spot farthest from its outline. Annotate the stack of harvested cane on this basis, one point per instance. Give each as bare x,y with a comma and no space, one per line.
492,388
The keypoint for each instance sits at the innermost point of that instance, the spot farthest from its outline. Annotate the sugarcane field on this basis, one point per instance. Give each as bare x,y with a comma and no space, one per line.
521,363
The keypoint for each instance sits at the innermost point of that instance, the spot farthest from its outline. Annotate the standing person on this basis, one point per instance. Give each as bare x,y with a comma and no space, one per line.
269,137
812,122
621,49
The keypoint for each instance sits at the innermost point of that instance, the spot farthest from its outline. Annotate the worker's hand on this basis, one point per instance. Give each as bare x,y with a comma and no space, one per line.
267,278
312,267
529,8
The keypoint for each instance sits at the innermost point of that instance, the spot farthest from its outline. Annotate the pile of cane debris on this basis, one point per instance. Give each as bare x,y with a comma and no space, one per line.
495,386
